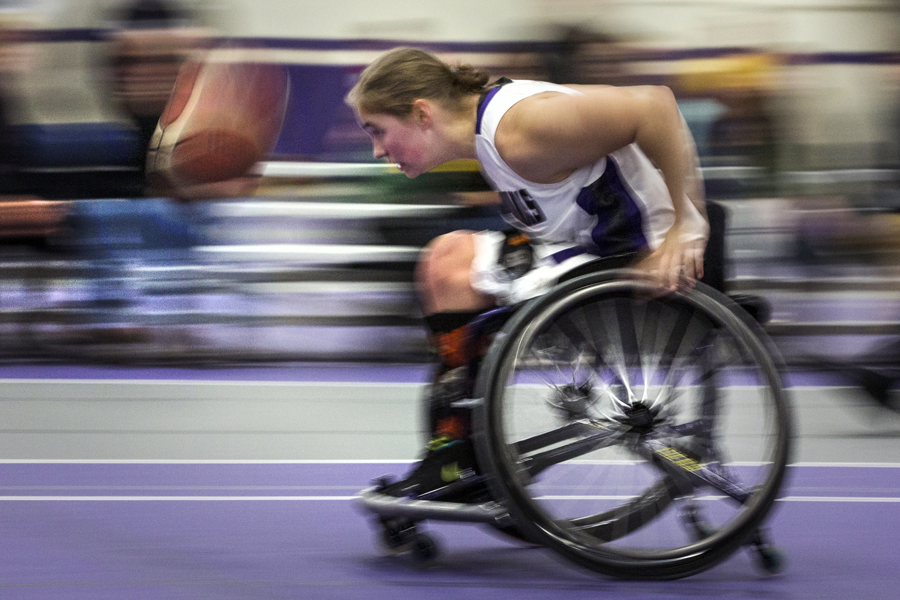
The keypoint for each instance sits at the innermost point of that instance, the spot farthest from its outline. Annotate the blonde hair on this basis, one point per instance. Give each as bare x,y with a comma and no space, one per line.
401,76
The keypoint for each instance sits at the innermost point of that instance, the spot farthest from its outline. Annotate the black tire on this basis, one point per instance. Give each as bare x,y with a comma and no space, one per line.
425,549
608,415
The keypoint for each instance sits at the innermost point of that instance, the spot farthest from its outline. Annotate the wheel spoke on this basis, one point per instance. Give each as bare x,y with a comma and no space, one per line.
567,432
607,408
627,518
536,463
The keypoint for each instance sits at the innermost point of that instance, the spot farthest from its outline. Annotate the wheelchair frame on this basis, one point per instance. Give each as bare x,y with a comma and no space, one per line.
511,510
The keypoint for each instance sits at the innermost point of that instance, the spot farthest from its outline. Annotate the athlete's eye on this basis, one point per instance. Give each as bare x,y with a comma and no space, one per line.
373,131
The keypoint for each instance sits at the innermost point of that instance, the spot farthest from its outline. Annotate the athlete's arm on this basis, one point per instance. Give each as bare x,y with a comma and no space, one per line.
546,137
476,198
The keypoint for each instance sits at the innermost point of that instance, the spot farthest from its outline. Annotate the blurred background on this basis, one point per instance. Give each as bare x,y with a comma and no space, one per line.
794,105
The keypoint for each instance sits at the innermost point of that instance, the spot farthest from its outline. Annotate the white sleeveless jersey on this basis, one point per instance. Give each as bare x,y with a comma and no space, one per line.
618,205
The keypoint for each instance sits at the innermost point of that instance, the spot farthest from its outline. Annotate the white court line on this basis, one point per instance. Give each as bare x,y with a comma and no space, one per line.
173,498
861,465
374,461
836,499
205,382
187,498
847,499
178,461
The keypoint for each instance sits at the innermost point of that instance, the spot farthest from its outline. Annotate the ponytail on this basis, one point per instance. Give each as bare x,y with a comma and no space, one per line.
468,79
401,76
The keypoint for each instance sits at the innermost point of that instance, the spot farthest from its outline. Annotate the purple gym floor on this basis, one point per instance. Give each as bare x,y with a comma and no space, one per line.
270,530
318,372
291,530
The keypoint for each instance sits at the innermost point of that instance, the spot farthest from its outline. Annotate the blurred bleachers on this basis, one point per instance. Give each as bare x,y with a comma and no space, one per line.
325,273
318,265
72,138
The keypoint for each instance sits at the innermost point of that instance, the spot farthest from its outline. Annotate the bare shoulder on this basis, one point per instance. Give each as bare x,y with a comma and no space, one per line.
545,137
526,118
547,110
521,137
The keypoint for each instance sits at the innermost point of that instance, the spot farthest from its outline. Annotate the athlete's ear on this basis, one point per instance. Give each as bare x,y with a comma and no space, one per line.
422,112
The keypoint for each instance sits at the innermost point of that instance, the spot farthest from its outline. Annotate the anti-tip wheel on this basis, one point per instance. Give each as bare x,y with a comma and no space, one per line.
397,535
771,559
425,549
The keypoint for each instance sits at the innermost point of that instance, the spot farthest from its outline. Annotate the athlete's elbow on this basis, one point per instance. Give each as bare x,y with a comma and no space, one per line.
656,106
663,100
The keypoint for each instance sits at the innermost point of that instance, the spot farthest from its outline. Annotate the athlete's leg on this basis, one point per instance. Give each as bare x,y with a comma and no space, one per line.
443,276
449,303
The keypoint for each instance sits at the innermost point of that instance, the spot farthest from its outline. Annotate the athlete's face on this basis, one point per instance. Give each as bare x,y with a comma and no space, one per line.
400,140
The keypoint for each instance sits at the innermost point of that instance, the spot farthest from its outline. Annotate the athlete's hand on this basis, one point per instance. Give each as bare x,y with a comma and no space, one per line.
676,262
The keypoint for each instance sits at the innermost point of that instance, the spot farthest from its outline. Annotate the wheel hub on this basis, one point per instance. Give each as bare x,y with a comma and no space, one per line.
640,418
573,400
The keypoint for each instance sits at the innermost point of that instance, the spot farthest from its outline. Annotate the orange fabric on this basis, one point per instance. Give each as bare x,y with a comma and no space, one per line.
518,240
452,346
451,428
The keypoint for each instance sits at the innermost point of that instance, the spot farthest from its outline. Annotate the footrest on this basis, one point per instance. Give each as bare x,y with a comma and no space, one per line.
372,500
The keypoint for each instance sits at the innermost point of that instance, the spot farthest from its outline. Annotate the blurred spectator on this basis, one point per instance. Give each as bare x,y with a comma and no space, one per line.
119,234
743,133
581,56
151,41
22,218
8,139
892,159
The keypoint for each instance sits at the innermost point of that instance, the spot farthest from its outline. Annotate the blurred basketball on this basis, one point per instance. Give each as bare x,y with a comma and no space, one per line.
221,119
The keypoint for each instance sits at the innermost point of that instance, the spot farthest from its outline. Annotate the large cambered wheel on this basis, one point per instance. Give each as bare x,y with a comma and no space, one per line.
641,436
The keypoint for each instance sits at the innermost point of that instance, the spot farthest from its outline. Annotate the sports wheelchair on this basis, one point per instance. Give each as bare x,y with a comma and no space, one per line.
639,435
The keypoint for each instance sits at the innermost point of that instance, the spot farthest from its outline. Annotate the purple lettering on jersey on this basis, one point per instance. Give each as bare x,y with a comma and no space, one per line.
619,227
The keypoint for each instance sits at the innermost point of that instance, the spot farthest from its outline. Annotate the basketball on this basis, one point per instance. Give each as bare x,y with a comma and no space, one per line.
221,119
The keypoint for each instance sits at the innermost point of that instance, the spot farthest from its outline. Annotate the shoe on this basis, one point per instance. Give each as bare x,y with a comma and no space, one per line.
448,472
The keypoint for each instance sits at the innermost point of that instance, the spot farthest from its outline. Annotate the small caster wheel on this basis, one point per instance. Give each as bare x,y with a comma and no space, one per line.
382,482
397,535
705,530
771,559
425,548
699,527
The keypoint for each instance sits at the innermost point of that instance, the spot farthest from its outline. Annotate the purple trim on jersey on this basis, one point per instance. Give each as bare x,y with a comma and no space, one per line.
482,106
619,220
564,255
